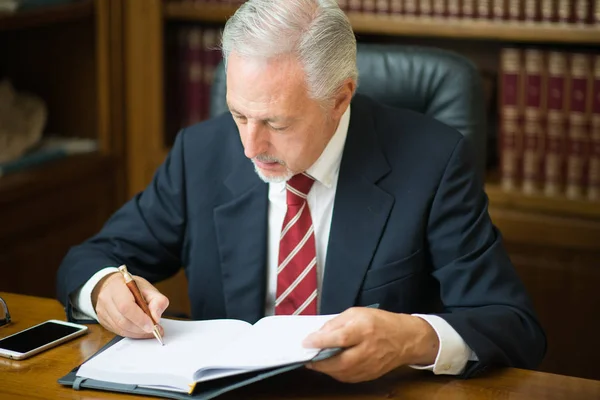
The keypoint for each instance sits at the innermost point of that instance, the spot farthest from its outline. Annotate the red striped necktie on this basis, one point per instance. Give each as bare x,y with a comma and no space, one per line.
297,267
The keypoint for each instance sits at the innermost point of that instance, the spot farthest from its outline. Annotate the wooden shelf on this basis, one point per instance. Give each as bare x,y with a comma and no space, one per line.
52,174
402,26
46,15
555,206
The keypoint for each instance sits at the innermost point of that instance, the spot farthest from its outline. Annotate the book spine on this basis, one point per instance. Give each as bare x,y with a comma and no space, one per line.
582,12
382,6
510,115
499,9
396,7
594,168
440,9
533,149
212,57
468,10
355,6
578,125
515,10
548,11
565,11
368,6
426,8
484,9
597,12
195,73
531,11
454,10
411,8
554,176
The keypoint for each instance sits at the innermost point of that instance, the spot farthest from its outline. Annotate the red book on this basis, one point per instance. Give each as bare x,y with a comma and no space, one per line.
368,6
396,7
556,114
533,148
499,9
453,9
565,11
583,10
484,9
531,11
515,10
354,5
194,108
548,11
468,9
510,103
211,59
411,8
594,166
578,138
382,6
426,8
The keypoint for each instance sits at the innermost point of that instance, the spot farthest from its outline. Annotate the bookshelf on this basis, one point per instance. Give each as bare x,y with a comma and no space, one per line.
67,55
554,242
364,23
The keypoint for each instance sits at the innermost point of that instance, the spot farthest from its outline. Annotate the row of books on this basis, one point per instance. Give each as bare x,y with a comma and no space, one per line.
579,12
549,113
198,55
546,11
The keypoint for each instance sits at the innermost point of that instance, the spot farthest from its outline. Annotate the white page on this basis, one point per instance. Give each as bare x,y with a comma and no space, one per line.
189,345
271,342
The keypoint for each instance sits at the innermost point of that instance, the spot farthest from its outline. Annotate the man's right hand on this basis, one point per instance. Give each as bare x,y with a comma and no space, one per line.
117,310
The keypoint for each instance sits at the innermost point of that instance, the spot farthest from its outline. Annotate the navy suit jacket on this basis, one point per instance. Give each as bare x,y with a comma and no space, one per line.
410,231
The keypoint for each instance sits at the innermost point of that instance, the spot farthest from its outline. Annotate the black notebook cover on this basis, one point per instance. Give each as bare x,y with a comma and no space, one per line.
203,390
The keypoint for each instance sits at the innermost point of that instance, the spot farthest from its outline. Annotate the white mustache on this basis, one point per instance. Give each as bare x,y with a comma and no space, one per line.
268,159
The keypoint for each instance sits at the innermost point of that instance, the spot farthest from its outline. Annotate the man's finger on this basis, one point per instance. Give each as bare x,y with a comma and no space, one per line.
346,335
129,315
157,302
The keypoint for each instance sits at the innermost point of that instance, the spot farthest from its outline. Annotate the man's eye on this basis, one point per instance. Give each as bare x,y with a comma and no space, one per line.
278,129
239,117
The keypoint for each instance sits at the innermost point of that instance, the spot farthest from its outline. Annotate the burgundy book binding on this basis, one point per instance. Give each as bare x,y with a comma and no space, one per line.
533,146
510,103
578,138
594,165
556,114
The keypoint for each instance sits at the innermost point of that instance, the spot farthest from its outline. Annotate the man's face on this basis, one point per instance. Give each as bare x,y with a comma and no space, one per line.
282,130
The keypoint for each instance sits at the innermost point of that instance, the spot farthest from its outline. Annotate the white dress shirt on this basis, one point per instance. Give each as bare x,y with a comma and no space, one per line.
453,352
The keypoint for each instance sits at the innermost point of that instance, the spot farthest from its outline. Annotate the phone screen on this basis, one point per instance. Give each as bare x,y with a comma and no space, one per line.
37,336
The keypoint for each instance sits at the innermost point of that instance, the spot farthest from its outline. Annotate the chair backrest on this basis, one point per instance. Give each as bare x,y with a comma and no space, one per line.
439,83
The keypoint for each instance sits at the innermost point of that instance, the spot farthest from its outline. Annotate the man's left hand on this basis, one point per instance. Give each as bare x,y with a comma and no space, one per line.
374,342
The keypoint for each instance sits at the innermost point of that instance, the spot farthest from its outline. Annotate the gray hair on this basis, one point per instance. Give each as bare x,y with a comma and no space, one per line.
317,32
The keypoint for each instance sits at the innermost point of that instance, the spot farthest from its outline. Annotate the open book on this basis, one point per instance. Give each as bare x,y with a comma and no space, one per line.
198,351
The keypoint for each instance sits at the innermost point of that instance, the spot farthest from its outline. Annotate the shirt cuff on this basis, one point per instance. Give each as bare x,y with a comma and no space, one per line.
81,299
453,353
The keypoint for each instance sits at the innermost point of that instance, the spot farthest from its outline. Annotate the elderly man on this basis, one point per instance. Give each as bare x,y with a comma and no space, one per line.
307,199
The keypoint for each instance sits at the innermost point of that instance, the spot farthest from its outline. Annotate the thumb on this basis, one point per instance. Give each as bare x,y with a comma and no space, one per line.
157,302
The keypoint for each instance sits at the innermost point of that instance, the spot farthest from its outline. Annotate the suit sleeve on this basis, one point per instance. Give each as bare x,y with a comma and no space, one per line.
146,233
483,297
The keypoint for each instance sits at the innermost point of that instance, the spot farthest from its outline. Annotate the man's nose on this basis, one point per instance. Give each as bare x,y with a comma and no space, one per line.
255,141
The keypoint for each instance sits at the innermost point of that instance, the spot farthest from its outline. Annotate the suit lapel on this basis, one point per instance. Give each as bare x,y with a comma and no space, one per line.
241,230
360,213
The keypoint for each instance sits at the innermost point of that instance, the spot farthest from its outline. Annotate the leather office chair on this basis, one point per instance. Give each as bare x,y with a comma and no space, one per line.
435,82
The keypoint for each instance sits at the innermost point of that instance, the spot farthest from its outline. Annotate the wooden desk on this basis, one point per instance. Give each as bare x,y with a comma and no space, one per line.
36,377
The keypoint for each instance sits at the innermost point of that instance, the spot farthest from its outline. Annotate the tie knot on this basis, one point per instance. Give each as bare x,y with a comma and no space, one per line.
298,187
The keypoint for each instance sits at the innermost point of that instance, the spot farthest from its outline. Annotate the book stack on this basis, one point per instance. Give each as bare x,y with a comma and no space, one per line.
549,112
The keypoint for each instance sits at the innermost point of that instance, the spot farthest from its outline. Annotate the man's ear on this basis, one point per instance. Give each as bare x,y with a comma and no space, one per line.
344,97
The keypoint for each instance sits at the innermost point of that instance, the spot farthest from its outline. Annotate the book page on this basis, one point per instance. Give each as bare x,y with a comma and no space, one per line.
189,345
271,342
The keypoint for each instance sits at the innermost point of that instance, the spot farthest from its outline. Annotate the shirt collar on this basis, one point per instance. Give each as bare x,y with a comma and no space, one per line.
327,166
